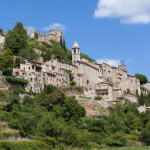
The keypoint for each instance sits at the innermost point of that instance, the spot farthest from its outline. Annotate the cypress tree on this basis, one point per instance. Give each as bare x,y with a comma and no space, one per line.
64,46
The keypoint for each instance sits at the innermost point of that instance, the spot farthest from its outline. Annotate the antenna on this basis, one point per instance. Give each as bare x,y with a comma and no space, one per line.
122,62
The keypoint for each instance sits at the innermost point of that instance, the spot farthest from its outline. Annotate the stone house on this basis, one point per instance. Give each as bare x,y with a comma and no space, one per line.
32,71
105,89
60,67
54,77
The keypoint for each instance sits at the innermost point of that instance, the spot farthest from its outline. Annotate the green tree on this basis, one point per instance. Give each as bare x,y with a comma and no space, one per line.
16,39
143,79
145,136
7,59
64,46
72,110
28,53
1,31
18,61
36,36
87,57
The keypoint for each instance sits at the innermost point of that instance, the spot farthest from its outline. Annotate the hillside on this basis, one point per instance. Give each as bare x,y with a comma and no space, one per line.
52,120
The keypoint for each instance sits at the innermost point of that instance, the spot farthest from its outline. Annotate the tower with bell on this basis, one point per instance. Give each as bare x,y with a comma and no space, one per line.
75,52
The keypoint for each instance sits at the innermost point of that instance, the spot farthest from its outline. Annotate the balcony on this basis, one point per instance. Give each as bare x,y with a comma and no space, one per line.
101,91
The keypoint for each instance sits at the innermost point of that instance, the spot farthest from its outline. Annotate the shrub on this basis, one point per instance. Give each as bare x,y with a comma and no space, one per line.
3,96
72,110
28,100
132,137
50,141
98,98
16,80
85,97
145,136
13,99
49,89
95,137
120,137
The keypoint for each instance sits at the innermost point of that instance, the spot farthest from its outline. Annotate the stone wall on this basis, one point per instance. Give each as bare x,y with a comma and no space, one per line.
76,90
132,98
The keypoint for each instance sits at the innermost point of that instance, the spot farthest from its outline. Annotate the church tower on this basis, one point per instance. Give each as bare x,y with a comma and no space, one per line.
75,52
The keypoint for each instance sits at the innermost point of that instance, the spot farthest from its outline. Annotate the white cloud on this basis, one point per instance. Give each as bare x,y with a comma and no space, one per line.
130,60
31,28
129,11
57,26
111,62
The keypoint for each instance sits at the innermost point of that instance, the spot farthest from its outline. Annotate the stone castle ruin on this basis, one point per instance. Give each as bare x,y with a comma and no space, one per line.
54,34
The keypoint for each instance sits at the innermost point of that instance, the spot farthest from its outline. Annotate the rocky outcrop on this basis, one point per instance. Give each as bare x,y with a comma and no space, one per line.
3,82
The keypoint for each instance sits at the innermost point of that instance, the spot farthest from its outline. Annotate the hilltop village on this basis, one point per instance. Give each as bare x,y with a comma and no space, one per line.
96,78
55,98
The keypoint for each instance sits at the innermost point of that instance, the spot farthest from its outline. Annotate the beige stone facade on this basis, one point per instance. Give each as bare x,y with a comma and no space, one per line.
31,71
97,78
92,75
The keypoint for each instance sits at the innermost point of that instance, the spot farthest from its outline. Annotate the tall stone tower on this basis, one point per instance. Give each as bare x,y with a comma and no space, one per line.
75,52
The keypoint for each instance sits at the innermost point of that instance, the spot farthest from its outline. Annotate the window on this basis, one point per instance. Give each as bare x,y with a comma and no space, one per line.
31,79
53,68
74,51
32,67
29,68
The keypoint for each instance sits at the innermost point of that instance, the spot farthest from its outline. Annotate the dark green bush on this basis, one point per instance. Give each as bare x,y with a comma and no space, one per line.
28,100
50,141
145,136
16,80
3,96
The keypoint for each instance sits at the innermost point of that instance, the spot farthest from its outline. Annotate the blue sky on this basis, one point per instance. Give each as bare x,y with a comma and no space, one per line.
106,30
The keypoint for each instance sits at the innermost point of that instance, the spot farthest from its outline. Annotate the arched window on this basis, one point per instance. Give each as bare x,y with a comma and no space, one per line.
75,51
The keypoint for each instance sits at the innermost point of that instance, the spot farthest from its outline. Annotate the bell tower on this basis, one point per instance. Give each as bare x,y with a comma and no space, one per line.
75,52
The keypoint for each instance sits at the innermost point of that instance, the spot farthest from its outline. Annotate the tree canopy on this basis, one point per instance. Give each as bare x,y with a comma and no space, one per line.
16,39
1,31
143,79
36,36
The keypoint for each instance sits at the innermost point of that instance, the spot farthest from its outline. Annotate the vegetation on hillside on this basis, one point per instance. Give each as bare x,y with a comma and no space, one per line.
144,99
143,79
16,39
57,121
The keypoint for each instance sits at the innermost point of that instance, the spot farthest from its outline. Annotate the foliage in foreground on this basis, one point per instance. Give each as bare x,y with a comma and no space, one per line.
58,121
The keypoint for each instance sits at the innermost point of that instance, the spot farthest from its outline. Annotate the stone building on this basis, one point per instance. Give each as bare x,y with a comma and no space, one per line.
54,34
60,74
97,78
93,76
32,71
